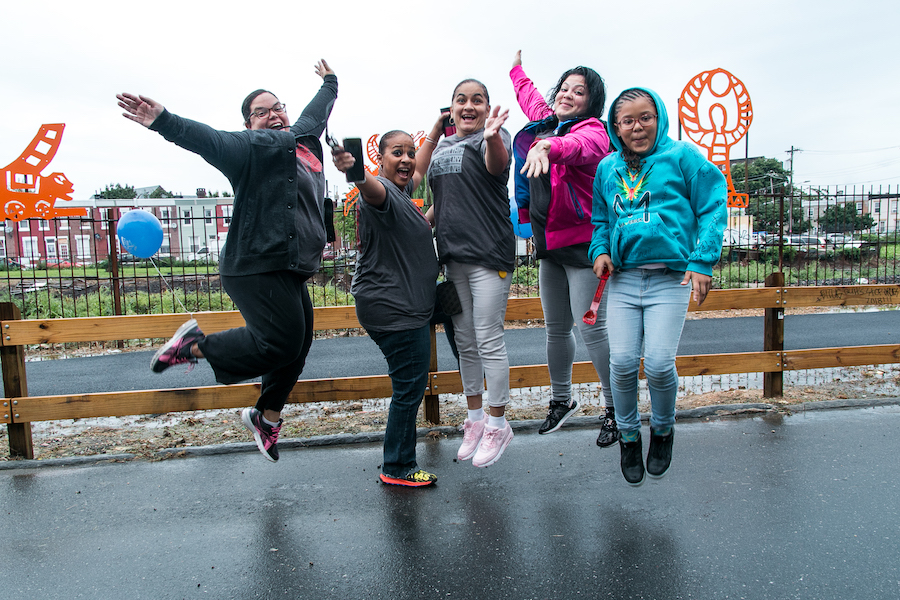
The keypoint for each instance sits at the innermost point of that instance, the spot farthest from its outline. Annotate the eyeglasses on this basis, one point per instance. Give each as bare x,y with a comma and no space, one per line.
262,113
629,122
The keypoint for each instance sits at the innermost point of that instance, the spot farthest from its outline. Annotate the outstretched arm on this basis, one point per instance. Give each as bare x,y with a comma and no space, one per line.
140,109
371,189
313,118
496,156
423,156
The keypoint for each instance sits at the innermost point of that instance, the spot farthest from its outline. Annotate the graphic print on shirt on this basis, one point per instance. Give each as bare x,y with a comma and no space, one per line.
448,161
631,186
308,160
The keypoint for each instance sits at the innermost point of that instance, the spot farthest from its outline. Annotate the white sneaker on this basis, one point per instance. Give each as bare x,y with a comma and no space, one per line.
472,432
493,443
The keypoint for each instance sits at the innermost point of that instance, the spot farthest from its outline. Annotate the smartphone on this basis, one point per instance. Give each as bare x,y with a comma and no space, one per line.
449,128
357,173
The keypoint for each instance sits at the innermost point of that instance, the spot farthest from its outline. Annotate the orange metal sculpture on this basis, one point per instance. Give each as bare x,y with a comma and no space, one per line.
710,124
352,196
25,193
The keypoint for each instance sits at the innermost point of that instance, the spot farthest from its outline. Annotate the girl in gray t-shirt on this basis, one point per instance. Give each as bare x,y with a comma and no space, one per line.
394,284
468,175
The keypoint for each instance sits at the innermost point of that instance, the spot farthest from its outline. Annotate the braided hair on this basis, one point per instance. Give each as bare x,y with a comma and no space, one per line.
631,158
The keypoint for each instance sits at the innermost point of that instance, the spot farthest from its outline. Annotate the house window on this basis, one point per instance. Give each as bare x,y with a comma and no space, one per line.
43,225
25,225
83,247
104,216
187,216
63,249
226,214
30,249
208,216
878,206
164,216
2,247
63,224
50,246
166,247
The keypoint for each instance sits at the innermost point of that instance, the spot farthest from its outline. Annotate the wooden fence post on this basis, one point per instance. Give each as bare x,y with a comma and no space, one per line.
773,338
12,362
432,405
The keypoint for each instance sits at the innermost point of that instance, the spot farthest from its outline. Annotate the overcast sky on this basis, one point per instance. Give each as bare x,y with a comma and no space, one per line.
822,74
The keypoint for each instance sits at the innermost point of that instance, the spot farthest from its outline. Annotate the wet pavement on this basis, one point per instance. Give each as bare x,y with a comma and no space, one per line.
774,507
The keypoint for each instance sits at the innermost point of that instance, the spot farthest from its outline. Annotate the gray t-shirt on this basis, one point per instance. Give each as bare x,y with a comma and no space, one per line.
471,206
396,269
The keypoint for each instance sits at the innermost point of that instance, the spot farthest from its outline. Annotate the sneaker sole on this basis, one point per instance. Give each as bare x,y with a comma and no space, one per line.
565,417
403,482
248,424
154,362
499,454
637,483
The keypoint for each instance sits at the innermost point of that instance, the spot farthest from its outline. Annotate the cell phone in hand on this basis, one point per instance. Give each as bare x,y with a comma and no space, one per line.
356,173
449,128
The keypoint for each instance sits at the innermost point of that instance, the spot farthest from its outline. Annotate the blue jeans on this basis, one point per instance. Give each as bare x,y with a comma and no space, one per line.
408,354
646,309
566,294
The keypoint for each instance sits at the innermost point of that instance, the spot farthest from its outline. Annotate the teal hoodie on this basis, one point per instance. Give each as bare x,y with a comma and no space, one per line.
672,212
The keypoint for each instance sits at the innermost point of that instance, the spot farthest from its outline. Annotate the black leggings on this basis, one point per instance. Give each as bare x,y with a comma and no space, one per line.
275,341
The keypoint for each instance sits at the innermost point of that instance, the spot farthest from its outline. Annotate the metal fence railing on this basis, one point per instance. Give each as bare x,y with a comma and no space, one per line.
73,267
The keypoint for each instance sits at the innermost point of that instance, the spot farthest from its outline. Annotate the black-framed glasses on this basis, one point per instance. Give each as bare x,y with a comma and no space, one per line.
262,113
629,122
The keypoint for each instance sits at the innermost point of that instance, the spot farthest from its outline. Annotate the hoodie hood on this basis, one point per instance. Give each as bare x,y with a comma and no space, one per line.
662,123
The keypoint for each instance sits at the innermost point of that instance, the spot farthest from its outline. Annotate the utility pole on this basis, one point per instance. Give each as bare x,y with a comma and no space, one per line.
791,206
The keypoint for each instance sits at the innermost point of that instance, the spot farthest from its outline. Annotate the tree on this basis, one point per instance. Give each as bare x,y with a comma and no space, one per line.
126,192
766,217
841,218
766,175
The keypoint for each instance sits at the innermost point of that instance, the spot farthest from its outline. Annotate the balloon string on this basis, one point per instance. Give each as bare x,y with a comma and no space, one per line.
171,290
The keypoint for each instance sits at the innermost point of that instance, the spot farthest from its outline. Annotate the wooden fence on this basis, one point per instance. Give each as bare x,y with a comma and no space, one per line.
19,409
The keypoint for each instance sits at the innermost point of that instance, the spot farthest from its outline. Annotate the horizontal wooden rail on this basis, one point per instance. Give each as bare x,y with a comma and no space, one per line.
97,329
21,410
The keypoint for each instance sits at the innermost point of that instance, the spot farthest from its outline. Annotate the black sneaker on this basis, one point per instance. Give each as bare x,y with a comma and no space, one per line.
557,415
632,461
659,457
609,432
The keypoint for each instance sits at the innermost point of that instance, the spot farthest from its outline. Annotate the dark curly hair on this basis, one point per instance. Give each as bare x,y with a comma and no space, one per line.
596,89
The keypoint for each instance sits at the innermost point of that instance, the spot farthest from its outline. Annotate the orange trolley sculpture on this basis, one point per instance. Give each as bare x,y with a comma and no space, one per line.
710,124
352,196
25,193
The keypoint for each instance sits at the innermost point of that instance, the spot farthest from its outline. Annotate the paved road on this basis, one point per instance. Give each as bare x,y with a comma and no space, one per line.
344,357
756,508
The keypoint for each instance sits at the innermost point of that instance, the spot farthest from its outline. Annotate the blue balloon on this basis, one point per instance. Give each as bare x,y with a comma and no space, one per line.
140,233
523,230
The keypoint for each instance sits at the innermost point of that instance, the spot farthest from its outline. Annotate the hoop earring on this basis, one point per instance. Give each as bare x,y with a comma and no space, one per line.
452,122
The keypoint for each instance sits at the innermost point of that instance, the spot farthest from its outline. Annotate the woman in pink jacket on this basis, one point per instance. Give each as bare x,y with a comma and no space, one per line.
557,155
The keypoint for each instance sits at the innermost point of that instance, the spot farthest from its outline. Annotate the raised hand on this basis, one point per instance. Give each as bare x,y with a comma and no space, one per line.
140,109
517,61
322,68
494,122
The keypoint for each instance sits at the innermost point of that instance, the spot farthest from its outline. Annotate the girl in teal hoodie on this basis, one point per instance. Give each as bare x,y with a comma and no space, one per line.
659,215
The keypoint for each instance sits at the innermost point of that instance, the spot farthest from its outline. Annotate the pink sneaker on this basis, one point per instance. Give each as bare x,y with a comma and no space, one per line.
493,443
472,432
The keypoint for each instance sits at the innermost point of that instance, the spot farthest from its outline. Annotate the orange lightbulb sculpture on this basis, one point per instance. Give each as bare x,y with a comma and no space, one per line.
715,112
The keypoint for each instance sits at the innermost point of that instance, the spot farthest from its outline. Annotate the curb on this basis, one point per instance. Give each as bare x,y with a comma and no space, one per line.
343,439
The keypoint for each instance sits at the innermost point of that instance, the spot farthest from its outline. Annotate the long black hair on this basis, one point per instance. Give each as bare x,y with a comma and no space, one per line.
596,89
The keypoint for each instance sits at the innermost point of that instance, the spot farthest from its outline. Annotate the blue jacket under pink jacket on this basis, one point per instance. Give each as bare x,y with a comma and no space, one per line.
573,164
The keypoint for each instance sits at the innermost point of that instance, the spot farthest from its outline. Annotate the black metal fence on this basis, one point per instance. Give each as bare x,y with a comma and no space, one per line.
74,268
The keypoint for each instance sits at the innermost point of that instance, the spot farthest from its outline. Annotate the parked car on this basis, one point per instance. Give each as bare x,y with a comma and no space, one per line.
805,244
203,255
842,241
